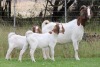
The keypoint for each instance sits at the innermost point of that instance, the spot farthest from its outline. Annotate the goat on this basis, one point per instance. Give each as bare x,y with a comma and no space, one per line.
42,41
74,29
18,42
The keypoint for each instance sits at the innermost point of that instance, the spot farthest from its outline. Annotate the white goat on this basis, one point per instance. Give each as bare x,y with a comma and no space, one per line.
16,41
42,41
74,30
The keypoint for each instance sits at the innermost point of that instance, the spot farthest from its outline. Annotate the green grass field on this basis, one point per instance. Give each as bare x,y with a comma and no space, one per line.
60,62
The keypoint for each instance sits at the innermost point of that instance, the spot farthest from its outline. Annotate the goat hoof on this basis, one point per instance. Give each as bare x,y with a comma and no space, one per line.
45,58
77,59
7,58
19,60
53,59
33,61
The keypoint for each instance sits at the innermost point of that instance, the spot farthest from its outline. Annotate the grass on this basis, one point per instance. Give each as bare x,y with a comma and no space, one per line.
60,62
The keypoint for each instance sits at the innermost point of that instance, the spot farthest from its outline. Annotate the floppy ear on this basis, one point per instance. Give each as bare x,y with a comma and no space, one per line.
63,30
79,21
56,29
39,30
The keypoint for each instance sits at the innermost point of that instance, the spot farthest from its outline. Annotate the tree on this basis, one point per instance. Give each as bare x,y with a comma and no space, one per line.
58,13
0,9
5,12
8,8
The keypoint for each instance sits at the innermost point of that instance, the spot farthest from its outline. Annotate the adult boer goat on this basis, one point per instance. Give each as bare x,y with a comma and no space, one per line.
74,29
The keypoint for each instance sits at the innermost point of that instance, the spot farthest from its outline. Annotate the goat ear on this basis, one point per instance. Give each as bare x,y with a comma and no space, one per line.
33,28
78,21
39,30
56,29
63,30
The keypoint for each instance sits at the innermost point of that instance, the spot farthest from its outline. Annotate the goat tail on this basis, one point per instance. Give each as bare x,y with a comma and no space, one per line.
10,34
28,33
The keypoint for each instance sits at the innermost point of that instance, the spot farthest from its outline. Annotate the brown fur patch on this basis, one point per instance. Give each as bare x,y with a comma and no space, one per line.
81,20
34,28
36,31
56,29
39,30
63,30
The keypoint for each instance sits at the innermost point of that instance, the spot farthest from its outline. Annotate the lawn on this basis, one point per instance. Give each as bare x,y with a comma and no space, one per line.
60,62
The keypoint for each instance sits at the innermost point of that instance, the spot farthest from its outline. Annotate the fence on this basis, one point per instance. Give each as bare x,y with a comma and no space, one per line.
89,47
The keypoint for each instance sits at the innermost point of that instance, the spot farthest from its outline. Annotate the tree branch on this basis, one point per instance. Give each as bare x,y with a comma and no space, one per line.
60,3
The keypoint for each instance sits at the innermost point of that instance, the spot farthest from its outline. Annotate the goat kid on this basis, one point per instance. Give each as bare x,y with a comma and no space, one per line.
46,27
36,40
18,42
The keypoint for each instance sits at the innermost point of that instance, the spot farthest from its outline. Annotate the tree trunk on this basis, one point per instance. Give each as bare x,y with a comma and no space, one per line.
55,11
0,9
9,9
58,14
